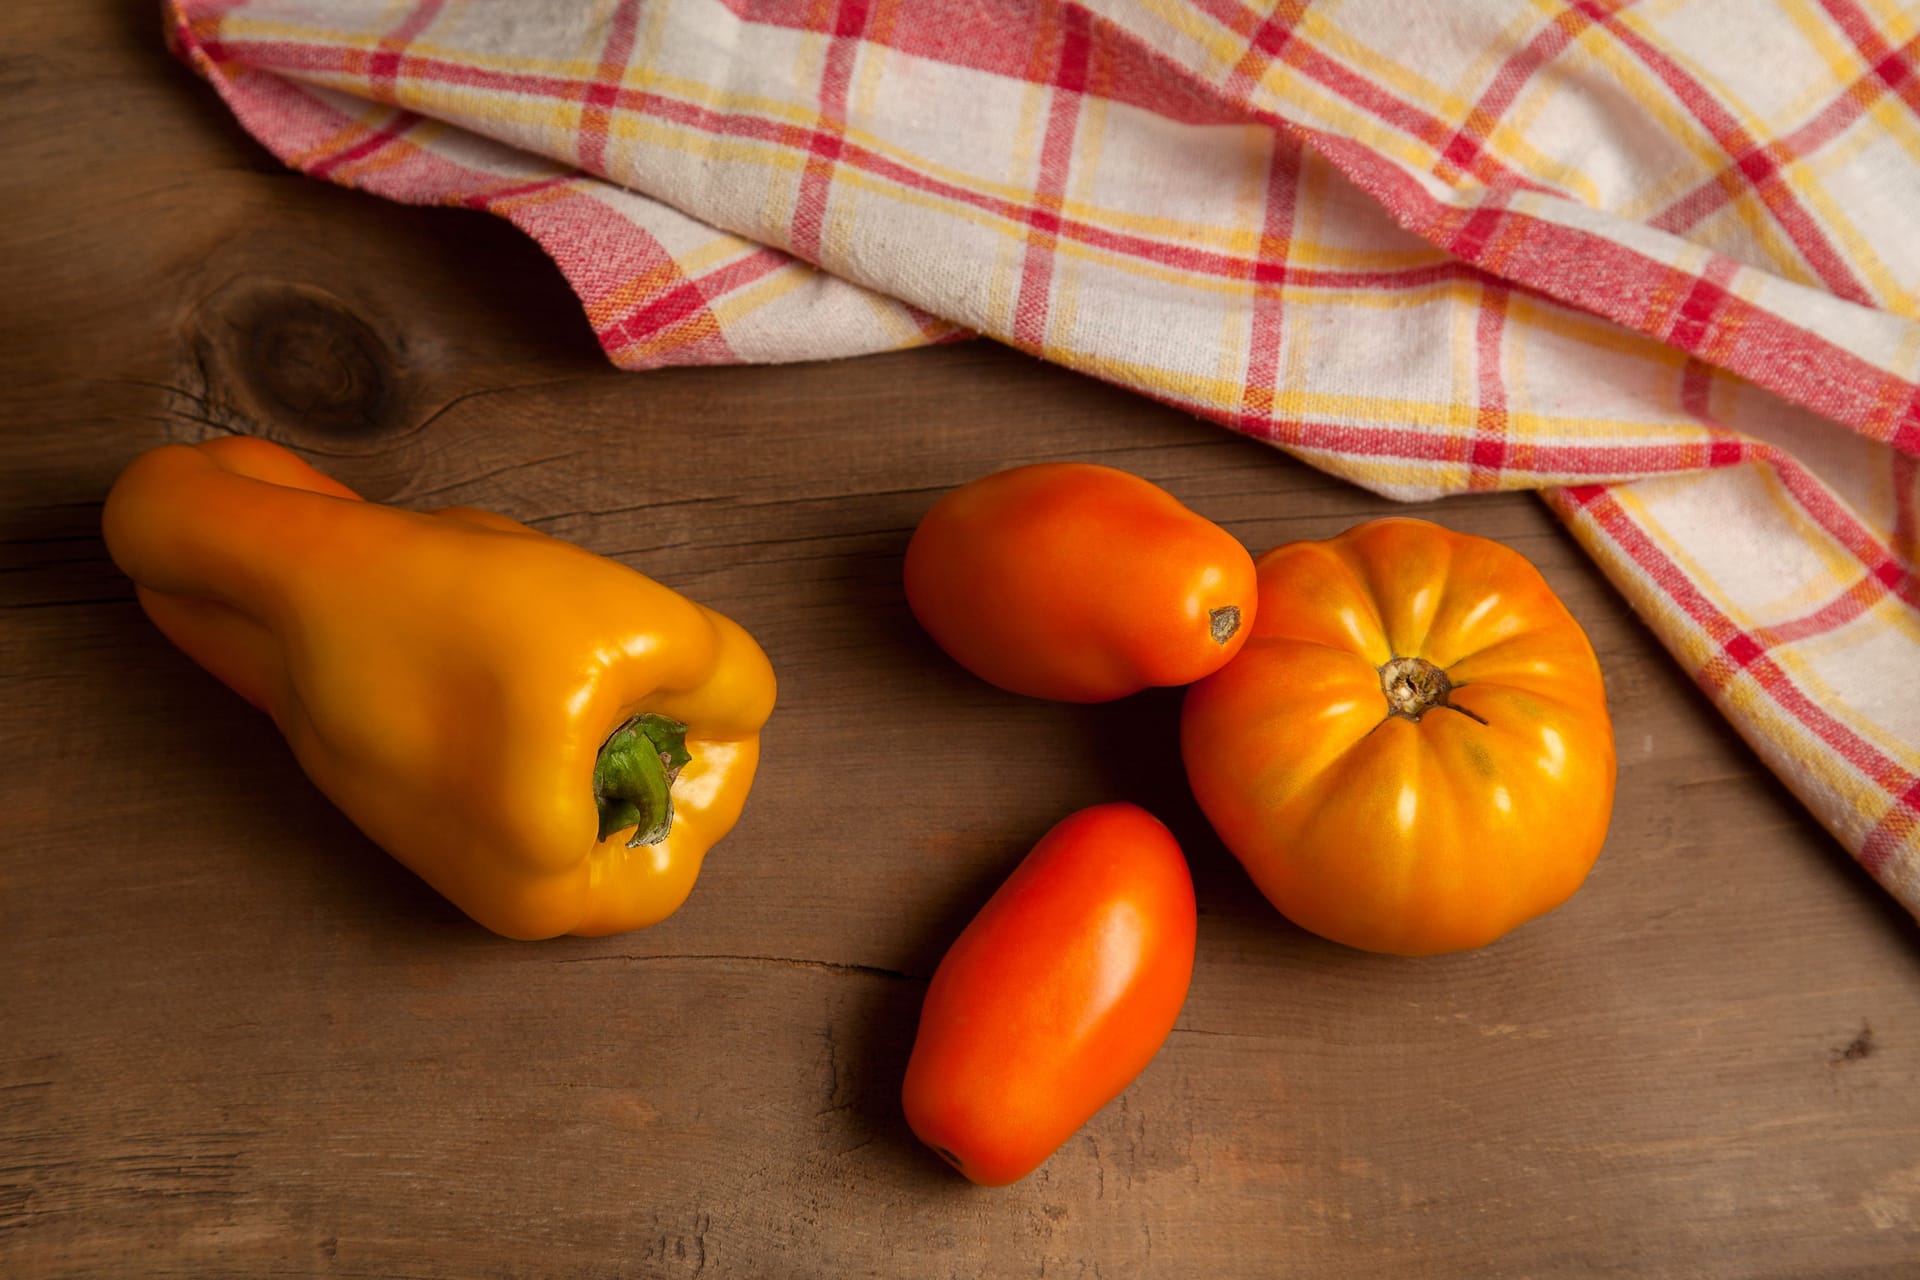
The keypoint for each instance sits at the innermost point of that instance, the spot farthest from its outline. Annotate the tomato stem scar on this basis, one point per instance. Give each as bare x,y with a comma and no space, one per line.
1414,686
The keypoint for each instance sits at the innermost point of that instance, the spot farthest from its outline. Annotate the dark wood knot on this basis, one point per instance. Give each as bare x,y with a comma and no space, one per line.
296,358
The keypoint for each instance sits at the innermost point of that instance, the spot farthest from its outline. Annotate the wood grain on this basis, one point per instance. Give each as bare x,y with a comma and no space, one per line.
238,1040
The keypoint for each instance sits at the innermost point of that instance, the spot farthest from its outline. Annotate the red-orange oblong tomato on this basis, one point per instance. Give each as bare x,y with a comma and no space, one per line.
1413,753
1078,582
1056,995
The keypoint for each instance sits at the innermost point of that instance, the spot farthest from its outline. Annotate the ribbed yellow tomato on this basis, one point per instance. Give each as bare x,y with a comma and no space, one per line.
1412,752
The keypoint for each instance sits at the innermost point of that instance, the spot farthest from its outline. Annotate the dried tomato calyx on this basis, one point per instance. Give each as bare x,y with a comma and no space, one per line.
1414,687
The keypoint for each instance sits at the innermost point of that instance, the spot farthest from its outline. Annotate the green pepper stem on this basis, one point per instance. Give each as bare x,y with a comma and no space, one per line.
633,777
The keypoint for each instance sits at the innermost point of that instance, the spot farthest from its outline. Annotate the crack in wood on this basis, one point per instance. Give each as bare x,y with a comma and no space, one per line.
483,392
468,481
797,962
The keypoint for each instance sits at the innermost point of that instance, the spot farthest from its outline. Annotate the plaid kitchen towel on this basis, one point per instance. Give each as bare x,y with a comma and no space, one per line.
1655,259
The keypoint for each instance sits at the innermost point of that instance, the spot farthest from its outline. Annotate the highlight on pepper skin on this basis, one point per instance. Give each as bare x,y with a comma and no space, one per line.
550,739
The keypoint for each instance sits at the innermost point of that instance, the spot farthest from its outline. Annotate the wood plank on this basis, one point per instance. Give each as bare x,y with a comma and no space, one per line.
240,1040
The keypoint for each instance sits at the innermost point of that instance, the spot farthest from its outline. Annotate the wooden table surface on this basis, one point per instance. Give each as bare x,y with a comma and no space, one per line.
236,1039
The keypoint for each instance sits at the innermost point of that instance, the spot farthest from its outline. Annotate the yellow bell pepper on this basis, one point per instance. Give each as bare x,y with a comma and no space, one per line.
493,706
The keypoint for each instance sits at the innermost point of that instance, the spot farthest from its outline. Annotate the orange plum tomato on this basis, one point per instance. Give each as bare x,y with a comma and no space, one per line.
1056,996
1077,582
